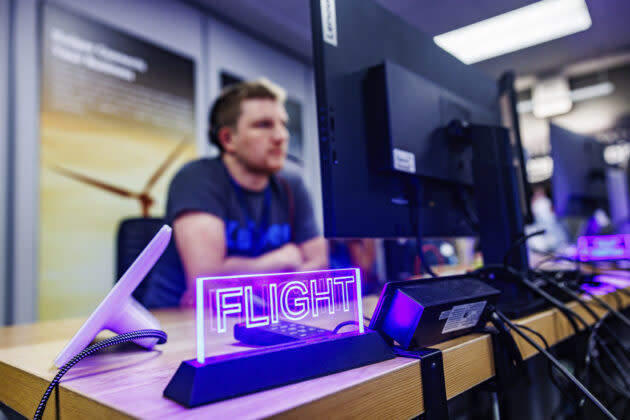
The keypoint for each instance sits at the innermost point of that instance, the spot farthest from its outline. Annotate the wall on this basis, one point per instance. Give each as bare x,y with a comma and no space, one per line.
4,135
23,210
606,118
174,25
167,23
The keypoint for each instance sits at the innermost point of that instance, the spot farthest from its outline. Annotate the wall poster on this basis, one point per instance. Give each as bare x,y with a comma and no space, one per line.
117,121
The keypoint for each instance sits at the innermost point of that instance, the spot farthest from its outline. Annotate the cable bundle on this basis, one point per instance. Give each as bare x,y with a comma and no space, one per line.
119,339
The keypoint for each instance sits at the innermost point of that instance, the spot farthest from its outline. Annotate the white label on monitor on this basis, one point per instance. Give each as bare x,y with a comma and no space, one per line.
464,316
444,315
329,21
404,161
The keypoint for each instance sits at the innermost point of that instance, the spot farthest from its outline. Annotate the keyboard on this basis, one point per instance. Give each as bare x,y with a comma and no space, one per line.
277,333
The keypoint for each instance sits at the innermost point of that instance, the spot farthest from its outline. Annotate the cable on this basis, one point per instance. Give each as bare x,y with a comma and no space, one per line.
119,339
469,214
612,310
343,324
551,258
617,300
596,298
536,333
585,305
550,366
616,362
607,306
578,262
570,293
582,303
621,368
499,316
567,312
593,341
519,241
415,208
622,290
596,340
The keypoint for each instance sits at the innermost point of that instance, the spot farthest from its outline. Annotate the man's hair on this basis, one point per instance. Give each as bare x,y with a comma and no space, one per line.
227,108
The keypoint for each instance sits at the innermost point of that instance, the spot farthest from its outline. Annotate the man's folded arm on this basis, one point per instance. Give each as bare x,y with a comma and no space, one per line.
200,240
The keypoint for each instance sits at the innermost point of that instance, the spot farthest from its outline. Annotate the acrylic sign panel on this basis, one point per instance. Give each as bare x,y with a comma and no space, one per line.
239,313
605,247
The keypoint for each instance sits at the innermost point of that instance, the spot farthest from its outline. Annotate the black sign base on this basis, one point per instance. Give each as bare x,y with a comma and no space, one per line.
232,375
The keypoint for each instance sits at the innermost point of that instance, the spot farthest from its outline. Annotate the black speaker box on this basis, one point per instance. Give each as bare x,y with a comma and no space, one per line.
420,313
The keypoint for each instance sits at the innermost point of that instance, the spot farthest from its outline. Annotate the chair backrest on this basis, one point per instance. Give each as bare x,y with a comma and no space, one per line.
132,236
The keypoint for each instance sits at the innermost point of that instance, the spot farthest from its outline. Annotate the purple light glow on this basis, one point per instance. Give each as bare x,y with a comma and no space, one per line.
599,290
609,283
263,299
600,248
402,318
619,281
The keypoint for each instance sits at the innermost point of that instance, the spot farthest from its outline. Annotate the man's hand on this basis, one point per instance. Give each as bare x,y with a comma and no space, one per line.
287,257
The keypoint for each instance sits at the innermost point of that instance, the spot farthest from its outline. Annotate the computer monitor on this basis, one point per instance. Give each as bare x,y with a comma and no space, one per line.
391,159
579,186
510,120
364,56
622,221
619,198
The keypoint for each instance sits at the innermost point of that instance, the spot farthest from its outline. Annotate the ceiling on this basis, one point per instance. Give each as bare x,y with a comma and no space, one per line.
600,50
286,23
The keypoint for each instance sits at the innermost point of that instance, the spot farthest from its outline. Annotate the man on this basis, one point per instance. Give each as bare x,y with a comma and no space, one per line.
236,213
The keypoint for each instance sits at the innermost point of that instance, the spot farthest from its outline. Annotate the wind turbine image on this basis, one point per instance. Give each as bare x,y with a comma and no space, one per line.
144,197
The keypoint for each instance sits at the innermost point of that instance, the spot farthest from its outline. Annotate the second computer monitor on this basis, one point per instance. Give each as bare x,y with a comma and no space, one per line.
385,94
579,173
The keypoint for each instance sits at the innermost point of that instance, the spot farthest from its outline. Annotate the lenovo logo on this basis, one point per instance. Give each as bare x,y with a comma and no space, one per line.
329,21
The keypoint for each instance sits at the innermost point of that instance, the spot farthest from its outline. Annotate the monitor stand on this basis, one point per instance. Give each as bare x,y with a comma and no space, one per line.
498,207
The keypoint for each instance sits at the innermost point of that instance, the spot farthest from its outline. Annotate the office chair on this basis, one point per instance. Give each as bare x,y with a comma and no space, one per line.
132,236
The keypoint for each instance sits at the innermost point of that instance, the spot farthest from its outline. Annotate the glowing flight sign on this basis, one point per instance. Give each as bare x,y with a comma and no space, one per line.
262,304
605,247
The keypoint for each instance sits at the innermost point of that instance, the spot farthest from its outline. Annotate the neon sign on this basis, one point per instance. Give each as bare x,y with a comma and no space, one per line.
608,247
266,299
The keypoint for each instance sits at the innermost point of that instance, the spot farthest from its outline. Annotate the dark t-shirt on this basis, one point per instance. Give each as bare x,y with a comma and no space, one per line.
255,222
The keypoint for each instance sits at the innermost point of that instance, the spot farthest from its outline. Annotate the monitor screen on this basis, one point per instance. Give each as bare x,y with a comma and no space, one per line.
619,199
579,173
385,93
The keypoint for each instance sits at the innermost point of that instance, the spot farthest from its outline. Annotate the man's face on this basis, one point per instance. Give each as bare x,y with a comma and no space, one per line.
260,140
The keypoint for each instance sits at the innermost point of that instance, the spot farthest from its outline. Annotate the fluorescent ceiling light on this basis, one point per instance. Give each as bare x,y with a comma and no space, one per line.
551,97
617,154
524,107
593,91
530,25
539,169
577,95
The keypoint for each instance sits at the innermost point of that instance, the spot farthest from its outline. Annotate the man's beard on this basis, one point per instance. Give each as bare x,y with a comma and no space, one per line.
265,170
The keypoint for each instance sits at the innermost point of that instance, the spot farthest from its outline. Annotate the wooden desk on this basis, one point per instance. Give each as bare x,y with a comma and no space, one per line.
128,383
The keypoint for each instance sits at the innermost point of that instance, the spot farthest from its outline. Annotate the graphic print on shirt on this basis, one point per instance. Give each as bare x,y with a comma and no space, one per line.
243,240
